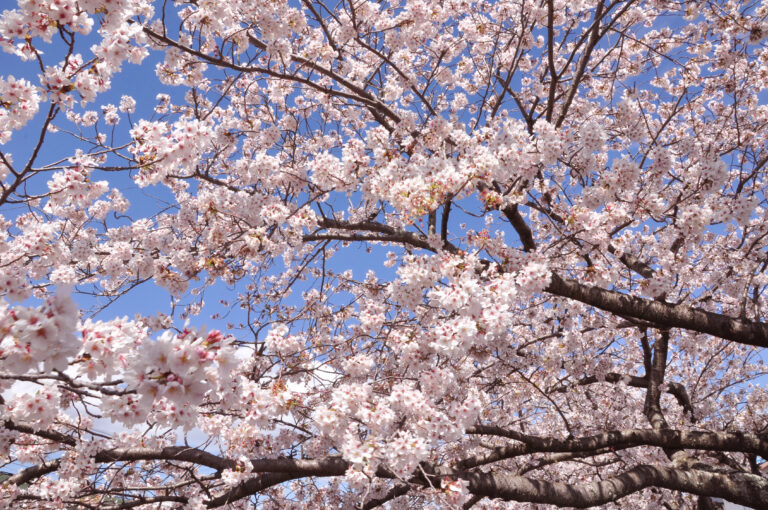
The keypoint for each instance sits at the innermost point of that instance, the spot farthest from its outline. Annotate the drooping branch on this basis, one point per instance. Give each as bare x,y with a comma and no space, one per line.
373,104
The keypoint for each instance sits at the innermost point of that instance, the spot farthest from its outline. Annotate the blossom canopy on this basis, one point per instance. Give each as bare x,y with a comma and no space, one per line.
410,253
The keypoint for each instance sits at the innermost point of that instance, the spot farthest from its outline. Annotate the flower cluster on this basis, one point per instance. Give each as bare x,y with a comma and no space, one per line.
421,222
38,409
549,142
161,149
19,103
39,338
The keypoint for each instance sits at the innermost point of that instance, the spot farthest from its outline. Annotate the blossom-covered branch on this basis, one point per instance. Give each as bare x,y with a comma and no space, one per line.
397,254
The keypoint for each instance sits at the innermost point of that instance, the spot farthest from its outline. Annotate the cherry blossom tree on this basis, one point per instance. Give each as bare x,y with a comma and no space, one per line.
460,254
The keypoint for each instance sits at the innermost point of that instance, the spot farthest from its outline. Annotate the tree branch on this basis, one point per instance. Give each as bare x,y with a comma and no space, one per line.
520,226
629,438
673,388
32,473
398,490
743,489
663,315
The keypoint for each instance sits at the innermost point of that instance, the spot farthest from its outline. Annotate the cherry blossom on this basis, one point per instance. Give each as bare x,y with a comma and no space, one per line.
19,100
451,254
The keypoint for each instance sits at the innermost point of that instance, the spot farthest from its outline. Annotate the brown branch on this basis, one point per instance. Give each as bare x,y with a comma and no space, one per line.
553,76
630,438
743,489
145,501
520,226
32,473
393,235
250,487
365,98
368,238
594,37
363,94
663,315
177,453
740,488
634,263
51,435
398,490
28,169
556,458
660,314
652,405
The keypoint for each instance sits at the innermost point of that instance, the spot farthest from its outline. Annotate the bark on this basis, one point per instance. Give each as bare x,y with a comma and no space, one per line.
744,489
656,363
398,490
747,489
662,315
144,501
249,488
664,438
520,226
177,453
32,473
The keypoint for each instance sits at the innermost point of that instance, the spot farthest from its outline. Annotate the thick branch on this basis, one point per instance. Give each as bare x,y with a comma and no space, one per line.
145,501
520,226
665,438
33,472
177,453
51,435
398,490
634,263
652,406
329,466
743,489
392,235
663,315
250,487
740,488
